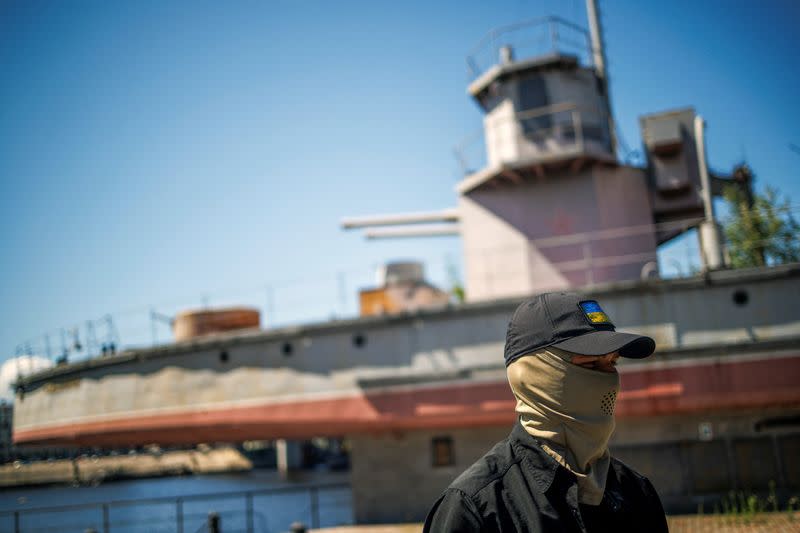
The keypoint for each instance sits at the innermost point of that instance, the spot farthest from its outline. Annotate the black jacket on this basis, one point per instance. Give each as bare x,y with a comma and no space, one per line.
517,487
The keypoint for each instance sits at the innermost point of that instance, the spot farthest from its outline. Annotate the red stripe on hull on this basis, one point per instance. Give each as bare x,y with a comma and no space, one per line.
645,392
711,386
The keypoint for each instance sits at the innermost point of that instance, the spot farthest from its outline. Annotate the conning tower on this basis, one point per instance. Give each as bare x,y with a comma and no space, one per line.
548,204
544,203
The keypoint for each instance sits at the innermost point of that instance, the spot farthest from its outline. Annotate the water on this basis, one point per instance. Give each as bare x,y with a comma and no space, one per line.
271,512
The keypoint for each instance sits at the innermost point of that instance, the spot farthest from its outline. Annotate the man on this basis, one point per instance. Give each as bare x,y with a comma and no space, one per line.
554,472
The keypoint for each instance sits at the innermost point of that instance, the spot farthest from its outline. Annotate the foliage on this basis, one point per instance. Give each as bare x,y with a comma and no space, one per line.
760,229
458,292
456,287
750,505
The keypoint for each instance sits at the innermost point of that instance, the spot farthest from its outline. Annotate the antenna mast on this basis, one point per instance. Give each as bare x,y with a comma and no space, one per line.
599,60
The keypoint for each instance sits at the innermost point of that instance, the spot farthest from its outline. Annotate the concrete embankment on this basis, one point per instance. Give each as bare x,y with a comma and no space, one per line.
93,470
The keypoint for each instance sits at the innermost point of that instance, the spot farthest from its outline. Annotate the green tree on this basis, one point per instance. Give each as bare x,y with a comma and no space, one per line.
760,229
456,287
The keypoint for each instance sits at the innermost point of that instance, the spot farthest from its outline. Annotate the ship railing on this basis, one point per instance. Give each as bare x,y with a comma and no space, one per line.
582,256
585,258
532,38
254,511
590,258
546,132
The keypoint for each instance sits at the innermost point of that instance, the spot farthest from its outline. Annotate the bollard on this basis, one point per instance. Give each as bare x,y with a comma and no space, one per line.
214,523
297,527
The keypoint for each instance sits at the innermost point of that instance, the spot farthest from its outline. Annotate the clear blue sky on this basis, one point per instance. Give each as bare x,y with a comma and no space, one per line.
169,154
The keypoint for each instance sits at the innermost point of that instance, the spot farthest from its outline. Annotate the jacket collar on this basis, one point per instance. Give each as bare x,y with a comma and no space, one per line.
542,467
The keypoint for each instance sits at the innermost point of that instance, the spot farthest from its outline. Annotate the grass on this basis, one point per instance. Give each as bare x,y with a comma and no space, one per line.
743,504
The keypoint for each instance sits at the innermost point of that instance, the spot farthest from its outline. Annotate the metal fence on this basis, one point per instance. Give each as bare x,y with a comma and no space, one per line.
259,511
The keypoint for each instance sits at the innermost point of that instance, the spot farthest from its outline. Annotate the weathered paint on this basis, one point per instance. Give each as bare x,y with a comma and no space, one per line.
701,386
557,232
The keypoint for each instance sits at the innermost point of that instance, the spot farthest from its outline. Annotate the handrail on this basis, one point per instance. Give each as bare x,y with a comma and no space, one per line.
168,499
614,233
178,501
581,116
489,42
552,109
492,34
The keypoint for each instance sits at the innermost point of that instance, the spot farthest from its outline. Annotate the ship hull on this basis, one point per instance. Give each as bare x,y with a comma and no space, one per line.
439,368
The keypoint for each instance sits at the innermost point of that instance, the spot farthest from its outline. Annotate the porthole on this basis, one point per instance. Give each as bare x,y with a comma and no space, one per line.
287,349
740,297
223,356
359,340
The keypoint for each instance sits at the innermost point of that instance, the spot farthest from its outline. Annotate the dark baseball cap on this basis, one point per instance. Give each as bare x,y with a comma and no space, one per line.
570,322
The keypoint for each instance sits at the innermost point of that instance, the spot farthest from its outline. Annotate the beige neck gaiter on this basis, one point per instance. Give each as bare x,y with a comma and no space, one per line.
571,409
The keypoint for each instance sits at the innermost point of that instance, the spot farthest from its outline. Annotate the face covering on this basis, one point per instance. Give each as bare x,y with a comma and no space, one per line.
570,409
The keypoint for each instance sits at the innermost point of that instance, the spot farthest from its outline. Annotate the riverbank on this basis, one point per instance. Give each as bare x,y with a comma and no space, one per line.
95,470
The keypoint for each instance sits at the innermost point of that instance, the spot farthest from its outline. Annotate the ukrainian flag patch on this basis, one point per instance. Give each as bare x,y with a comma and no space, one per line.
594,312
